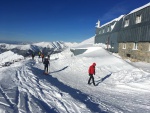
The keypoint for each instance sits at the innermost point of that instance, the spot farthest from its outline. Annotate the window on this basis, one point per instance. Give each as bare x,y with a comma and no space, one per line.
138,19
128,55
135,46
103,30
124,46
100,32
108,29
126,23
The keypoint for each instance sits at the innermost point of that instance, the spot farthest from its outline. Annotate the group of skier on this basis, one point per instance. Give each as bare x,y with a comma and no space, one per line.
46,63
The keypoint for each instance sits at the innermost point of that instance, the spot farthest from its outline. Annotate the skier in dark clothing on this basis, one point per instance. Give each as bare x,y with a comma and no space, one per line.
39,54
33,56
42,55
46,64
48,57
91,73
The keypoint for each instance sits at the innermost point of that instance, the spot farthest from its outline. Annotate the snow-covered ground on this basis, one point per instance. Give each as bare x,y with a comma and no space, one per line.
122,86
9,57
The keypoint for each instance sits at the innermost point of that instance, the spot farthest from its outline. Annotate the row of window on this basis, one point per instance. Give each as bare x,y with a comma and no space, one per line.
138,20
126,23
135,46
103,31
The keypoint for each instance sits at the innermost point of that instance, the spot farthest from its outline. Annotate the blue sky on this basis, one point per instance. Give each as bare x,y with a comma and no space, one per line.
58,20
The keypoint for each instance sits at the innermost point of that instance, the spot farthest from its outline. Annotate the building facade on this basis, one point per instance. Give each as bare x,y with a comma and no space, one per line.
132,34
107,34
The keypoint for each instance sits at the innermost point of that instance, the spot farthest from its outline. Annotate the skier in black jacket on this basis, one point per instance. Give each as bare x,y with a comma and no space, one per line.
46,64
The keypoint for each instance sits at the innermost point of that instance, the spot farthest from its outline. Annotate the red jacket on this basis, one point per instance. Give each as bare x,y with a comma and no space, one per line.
92,69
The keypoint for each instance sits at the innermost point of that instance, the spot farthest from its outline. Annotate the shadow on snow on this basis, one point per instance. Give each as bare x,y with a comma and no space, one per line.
102,79
76,94
59,70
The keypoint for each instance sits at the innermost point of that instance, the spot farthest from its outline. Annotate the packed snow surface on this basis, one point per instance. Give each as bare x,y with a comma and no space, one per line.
122,86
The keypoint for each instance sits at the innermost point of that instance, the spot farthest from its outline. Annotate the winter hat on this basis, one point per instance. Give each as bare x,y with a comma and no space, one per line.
94,64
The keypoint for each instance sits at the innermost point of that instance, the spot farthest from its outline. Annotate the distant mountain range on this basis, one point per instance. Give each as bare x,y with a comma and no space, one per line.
27,49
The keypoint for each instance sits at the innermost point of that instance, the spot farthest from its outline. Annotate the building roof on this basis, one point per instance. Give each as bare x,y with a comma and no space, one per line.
114,20
142,7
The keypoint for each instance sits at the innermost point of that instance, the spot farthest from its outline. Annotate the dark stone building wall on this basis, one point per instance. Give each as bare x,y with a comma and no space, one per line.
142,53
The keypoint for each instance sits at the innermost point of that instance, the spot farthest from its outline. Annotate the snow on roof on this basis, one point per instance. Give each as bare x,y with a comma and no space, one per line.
116,19
142,7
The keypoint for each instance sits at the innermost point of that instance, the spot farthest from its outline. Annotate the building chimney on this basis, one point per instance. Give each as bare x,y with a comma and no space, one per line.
98,24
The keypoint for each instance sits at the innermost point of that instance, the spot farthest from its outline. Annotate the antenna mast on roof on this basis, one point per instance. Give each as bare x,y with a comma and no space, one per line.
98,24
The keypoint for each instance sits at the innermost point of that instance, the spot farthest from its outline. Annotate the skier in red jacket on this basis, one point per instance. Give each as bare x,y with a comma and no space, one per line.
91,73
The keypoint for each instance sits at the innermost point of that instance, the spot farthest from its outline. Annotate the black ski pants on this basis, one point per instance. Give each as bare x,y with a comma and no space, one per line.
91,77
46,68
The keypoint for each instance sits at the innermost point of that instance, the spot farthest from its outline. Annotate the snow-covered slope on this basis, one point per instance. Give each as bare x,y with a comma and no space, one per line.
9,57
121,86
86,43
55,45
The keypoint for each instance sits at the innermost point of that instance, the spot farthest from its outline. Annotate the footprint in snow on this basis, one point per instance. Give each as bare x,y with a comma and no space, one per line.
58,95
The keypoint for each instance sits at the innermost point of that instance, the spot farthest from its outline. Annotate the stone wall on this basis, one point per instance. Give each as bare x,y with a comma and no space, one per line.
142,53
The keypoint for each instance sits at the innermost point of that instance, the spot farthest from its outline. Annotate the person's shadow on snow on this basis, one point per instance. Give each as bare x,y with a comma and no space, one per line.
102,79
59,70
74,93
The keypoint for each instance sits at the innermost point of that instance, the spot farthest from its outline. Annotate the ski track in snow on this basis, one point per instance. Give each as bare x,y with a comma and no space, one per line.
130,101
8,102
35,91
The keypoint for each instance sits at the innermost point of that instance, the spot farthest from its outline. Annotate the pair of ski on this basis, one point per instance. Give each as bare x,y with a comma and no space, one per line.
46,73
